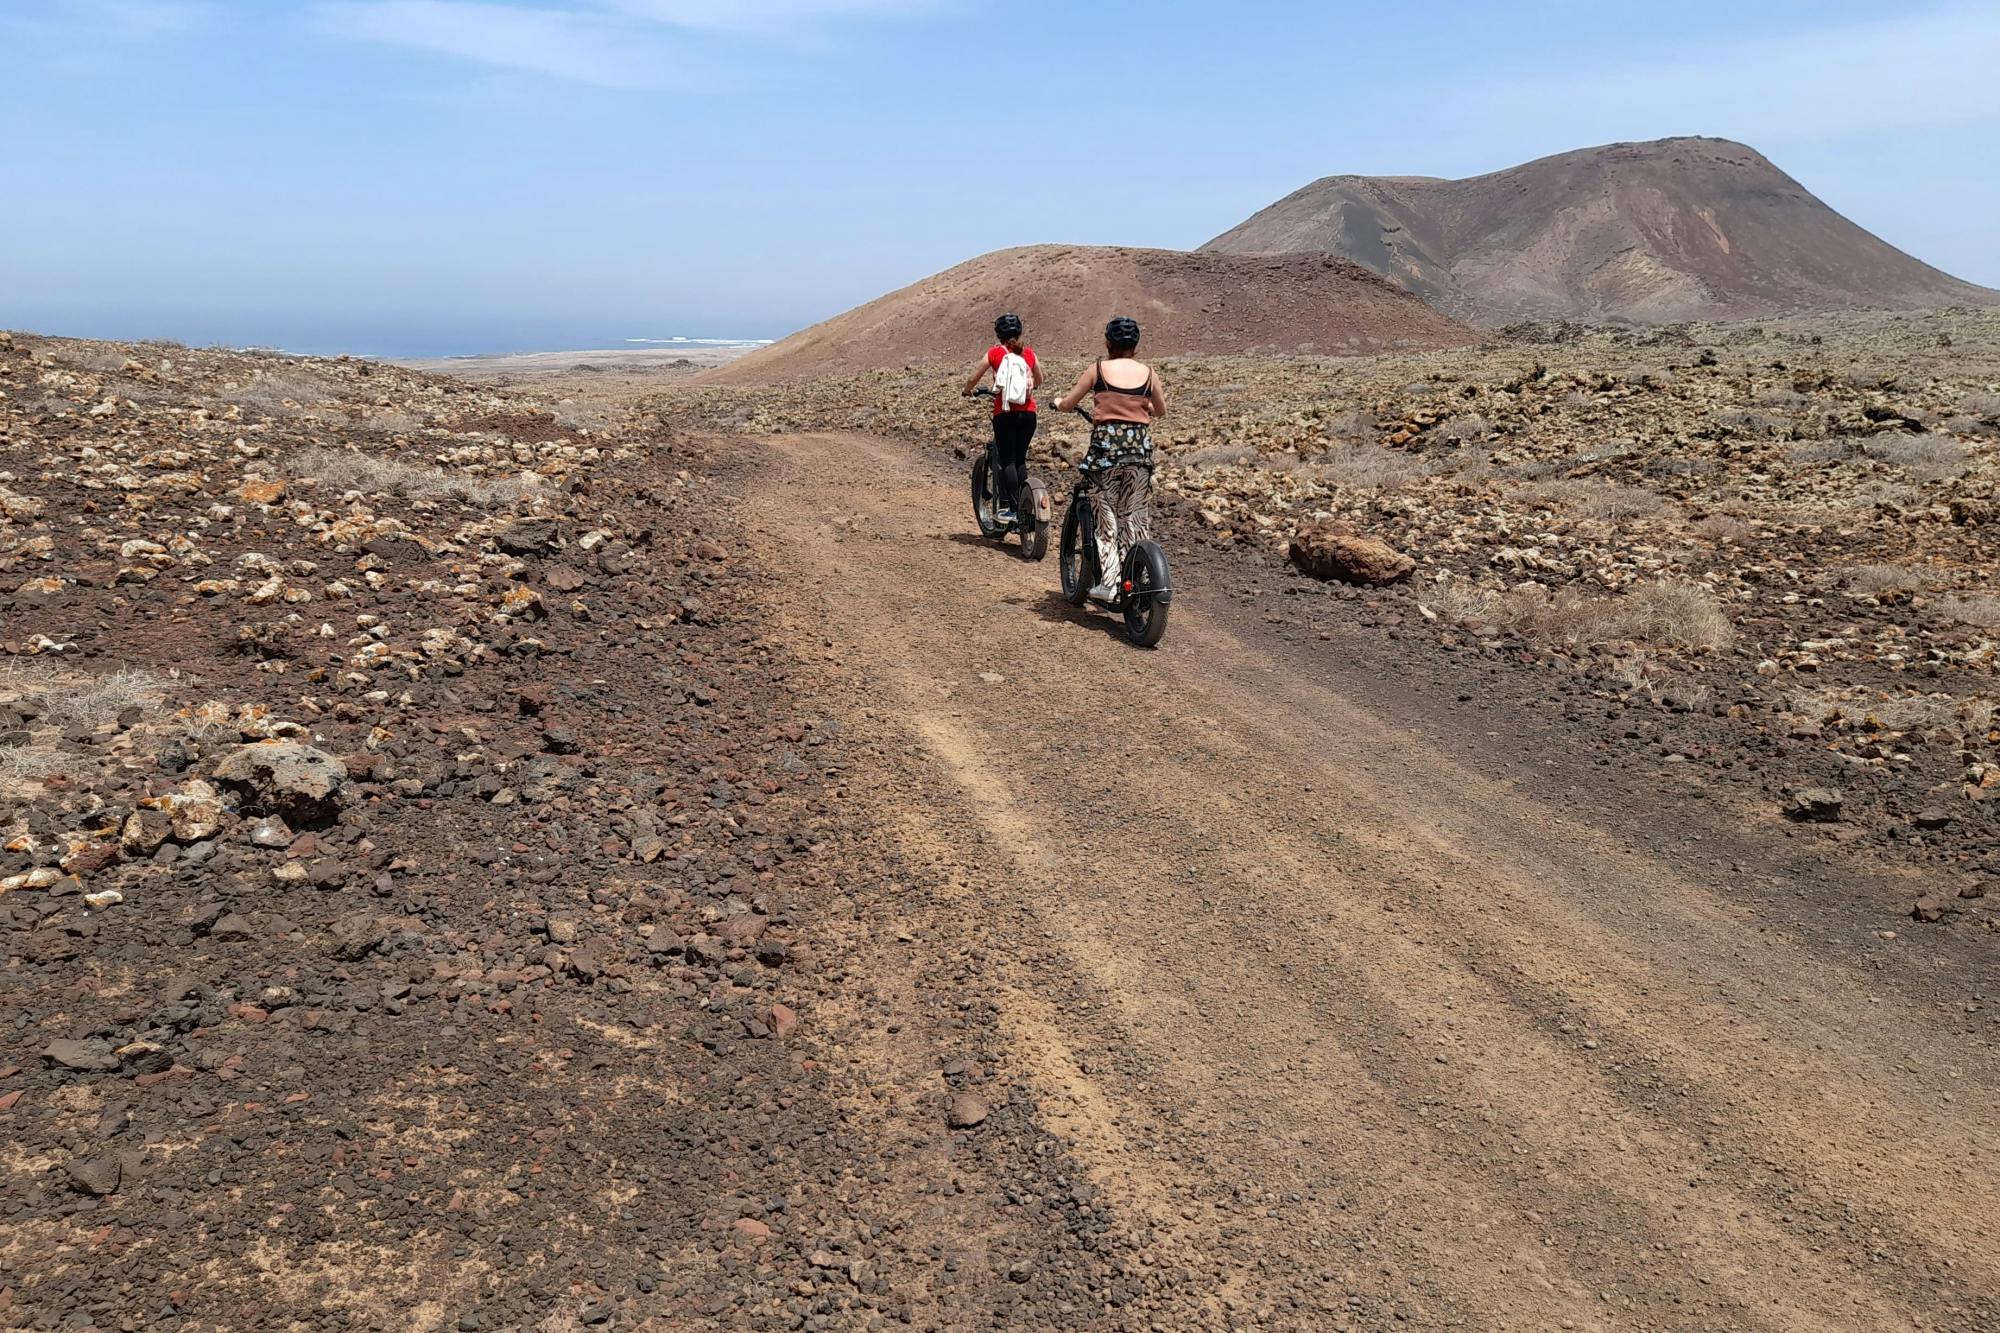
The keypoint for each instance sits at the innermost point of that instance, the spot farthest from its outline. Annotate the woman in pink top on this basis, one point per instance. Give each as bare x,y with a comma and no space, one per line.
1126,398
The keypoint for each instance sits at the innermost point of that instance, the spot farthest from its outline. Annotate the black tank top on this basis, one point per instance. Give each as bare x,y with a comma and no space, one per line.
1143,391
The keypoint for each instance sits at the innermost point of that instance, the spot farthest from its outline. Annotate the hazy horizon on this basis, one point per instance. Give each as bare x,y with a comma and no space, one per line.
413,178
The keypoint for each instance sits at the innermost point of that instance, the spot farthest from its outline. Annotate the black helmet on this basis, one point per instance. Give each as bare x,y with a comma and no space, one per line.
1007,326
1122,332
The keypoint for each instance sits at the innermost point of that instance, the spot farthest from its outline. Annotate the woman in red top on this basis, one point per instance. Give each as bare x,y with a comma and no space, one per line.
1013,427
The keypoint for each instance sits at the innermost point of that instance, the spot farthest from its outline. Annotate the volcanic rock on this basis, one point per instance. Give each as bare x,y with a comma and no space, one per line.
1329,549
297,782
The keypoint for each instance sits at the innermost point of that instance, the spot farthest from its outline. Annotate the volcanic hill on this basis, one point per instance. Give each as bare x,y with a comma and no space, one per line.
1209,304
1675,229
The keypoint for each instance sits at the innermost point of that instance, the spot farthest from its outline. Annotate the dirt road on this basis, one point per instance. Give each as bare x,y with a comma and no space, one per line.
1369,1002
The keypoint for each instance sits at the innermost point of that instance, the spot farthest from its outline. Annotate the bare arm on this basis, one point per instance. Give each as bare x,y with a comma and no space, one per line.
977,376
1157,396
1035,368
1075,395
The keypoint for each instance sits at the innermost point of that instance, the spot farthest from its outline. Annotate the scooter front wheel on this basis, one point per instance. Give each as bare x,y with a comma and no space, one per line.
983,508
1076,562
1148,592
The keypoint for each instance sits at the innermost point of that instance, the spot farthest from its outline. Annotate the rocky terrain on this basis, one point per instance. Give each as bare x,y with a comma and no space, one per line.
454,873
1758,555
426,892
1647,233
1195,304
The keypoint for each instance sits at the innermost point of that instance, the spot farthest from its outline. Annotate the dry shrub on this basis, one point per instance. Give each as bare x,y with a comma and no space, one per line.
65,698
1881,579
1679,468
392,421
1840,449
1679,613
1644,674
98,358
372,474
1468,428
24,765
1926,458
1743,421
74,697
1985,405
1723,529
283,391
1896,494
1368,467
1352,427
1605,501
1674,614
1864,710
1219,455
1978,609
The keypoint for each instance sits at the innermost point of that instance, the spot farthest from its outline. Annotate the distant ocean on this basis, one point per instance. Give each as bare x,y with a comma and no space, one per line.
703,342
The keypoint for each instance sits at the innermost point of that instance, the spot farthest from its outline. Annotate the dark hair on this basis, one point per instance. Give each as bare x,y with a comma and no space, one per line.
1122,334
1006,327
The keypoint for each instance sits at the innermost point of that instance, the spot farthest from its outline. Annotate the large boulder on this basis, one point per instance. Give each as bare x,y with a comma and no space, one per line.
302,784
1329,549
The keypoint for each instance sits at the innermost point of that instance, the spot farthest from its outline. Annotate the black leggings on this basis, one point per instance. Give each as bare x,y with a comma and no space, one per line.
1011,433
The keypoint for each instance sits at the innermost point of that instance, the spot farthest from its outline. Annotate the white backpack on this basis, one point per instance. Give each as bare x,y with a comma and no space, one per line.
1011,381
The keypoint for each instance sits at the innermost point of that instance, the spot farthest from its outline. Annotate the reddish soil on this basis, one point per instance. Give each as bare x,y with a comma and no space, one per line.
1185,303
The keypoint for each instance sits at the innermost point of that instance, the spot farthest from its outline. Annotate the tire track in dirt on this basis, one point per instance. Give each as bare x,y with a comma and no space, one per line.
1509,1066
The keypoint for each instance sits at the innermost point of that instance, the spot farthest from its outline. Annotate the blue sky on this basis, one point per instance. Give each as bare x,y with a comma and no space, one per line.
406,177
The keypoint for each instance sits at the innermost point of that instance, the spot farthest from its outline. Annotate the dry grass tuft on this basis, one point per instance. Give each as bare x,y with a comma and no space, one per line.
1839,449
25,765
1471,428
1924,458
1980,609
79,699
1865,710
1723,529
1673,614
1878,580
1219,455
1368,467
372,474
1985,405
284,391
1603,501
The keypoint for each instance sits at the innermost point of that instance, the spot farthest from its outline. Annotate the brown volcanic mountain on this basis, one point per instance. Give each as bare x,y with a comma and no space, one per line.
1186,303
1642,232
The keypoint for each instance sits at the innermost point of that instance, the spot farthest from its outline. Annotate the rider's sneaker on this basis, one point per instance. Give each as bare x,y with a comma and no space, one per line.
1005,515
1105,592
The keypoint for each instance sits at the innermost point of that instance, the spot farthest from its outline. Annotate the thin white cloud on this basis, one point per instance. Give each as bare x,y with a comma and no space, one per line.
766,16
115,20
1915,70
631,44
563,44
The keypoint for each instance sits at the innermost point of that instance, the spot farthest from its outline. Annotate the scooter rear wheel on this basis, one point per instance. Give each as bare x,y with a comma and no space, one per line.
1148,593
1033,503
